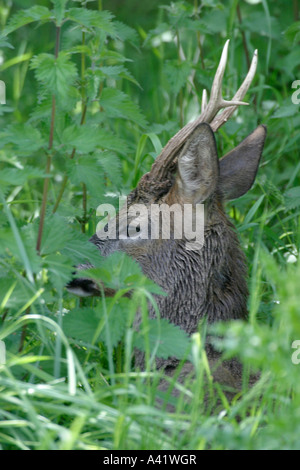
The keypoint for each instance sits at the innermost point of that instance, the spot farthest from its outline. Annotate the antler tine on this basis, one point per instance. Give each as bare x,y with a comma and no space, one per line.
213,105
209,111
219,120
216,101
204,101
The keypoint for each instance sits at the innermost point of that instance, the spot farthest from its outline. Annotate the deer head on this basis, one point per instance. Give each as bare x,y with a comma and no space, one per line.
209,281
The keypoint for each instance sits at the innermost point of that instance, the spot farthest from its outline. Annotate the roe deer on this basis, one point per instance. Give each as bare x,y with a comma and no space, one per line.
210,281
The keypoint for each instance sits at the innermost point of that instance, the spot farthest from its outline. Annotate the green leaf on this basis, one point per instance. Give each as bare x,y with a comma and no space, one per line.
42,110
171,340
56,234
19,176
178,14
256,23
177,74
111,166
293,32
92,170
117,104
292,197
57,75
286,111
4,43
87,138
20,244
114,71
81,324
125,32
59,10
113,57
81,250
117,319
123,267
215,20
84,170
17,292
99,274
83,138
25,138
115,270
93,19
60,270
23,17
111,71
288,62
109,141
119,271
253,210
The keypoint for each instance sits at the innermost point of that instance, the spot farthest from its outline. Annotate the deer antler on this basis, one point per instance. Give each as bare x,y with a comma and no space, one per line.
209,114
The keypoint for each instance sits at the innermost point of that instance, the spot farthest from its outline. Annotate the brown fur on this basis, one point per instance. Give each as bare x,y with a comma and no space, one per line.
210,282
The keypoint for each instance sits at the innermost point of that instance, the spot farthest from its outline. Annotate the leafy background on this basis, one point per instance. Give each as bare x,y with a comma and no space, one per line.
93,92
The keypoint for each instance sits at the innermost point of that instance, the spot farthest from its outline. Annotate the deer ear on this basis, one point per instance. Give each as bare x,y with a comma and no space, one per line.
238,168
198,165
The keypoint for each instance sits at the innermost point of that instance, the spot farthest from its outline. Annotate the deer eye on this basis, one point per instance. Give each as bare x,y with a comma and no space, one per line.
137,230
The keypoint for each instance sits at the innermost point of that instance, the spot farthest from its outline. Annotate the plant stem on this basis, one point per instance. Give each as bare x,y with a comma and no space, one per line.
83,104
44,204
84,206
119,350
49,157
24,331
198,34
239,14
83,72
296,10
84,108
65,180
181,91
4,314
200,50
57,41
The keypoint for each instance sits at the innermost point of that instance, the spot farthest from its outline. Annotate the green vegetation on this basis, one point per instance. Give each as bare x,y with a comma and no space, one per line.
91,97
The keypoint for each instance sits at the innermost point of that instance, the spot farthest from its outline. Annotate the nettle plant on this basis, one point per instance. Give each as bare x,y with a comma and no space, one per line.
69,147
